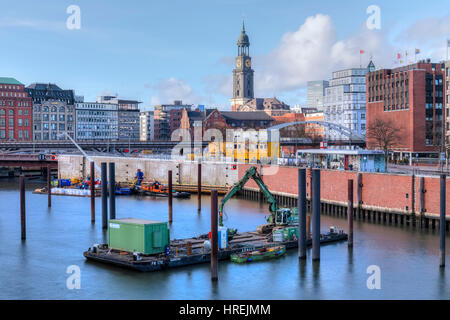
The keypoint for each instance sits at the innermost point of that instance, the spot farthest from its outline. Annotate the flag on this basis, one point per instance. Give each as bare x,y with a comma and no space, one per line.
361,51
417,51
399,56
448,43
406,53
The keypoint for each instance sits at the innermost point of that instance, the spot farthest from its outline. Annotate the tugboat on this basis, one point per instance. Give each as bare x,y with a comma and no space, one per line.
159,190
258,254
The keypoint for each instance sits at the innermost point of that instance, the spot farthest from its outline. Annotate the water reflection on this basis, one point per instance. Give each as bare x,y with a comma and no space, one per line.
57,237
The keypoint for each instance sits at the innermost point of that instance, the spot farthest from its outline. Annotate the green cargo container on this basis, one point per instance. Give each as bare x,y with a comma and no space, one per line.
144,236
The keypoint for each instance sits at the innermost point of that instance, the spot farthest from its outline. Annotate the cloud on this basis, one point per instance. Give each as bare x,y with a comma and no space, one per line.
166,91
313,52
430,35
46,25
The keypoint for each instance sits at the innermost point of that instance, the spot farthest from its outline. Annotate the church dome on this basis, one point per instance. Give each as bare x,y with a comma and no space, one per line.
243,40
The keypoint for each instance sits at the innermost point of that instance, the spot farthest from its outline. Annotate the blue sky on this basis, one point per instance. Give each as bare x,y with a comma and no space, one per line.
157,51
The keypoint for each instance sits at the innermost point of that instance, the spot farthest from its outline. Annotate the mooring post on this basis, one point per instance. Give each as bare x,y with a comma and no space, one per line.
422,200
22,207
104,195
302,213
308,226
92,187
316,214
350,213
442,222
199,186
170,196
214,235
359,193
112,190
49,186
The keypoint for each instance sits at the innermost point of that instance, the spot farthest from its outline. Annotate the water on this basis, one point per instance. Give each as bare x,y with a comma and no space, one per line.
57,237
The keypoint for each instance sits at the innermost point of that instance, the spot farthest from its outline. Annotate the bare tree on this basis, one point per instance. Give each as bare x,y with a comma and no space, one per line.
385,134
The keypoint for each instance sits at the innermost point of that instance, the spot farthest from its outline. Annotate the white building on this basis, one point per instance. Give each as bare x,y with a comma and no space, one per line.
345,102
147,126
96,121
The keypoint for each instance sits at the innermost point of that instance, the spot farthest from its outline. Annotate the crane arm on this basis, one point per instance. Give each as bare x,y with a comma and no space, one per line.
250,173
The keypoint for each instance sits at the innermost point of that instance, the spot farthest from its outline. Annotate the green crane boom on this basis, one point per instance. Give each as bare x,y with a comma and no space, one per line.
250,173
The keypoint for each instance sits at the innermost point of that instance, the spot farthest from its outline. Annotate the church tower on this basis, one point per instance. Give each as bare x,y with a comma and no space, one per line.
243,73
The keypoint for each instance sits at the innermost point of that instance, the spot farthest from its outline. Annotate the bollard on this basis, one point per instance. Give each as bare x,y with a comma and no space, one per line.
214,235
350,213
170,196
92,192
49,186
442,220
22,207
199,186
302,213
112,190
316,215
104,196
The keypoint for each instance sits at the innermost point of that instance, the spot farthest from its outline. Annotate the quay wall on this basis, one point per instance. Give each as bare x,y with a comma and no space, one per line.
183,172
381,192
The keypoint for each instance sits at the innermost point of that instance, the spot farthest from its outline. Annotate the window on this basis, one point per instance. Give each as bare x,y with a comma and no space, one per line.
2,112
19,112
11,134
2,134
11,112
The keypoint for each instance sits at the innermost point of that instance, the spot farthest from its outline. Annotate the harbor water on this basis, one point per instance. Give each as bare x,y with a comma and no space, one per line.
408,259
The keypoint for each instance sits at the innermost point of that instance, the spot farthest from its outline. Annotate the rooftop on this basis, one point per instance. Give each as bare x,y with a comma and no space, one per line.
6,80
251,115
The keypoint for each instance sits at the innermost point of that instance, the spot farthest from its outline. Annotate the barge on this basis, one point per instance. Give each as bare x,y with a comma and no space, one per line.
185,252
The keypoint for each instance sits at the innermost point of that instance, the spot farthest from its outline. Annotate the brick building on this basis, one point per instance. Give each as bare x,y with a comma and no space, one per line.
16,113
412,97
167,119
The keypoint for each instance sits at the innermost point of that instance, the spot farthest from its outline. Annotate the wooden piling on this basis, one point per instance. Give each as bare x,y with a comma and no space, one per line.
92,187
188,248
170,196
22,207
350,213
112,191
359,192
443,180
49,186
214,235
199,186
422,200
316,215
308,226
302,213
104,176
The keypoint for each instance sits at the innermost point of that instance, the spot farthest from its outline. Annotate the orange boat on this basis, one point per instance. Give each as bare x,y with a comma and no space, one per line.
159,190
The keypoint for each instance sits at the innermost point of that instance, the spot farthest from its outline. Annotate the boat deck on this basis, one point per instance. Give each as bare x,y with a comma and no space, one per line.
179,257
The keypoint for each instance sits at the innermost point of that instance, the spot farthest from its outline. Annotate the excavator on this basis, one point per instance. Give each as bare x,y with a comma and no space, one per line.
278,216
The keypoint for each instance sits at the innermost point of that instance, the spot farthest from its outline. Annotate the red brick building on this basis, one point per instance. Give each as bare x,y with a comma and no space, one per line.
15,111
412,97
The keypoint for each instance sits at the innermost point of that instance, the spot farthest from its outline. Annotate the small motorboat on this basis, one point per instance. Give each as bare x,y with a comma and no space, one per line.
258,254
158,190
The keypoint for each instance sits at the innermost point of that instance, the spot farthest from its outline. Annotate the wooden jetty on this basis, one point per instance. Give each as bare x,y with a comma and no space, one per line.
184,252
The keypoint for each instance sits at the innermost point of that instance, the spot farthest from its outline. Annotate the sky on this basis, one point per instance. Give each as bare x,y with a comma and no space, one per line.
159,51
